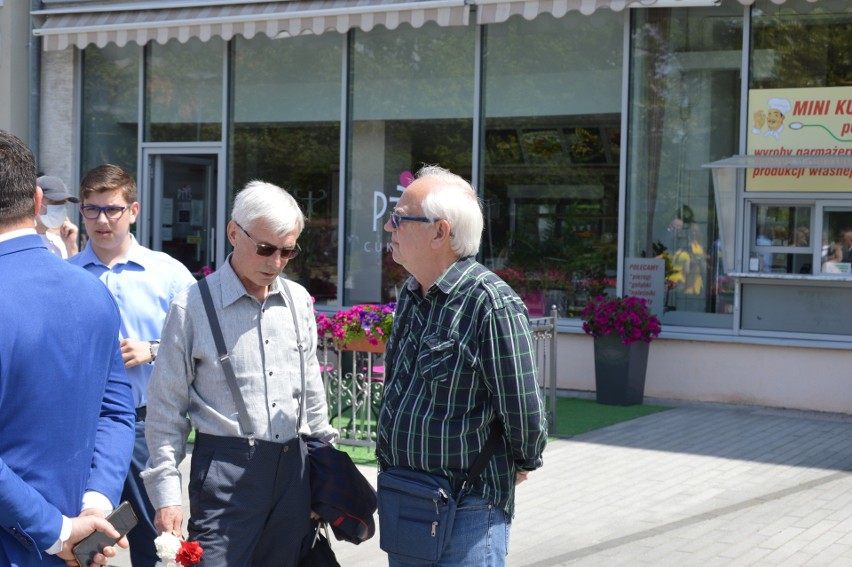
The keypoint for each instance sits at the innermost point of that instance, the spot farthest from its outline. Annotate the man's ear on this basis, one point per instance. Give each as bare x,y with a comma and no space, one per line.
134,211
231,230
37,199
442,233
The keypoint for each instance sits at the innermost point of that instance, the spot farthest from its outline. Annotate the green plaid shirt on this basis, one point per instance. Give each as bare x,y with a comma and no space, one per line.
456,360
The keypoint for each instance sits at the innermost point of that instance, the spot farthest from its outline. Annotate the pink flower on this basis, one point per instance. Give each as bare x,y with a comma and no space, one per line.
628,317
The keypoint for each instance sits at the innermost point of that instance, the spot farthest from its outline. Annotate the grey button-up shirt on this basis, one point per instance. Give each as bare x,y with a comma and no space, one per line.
188,379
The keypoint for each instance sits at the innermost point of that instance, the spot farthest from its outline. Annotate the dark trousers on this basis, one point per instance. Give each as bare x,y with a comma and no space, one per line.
249,505
143,553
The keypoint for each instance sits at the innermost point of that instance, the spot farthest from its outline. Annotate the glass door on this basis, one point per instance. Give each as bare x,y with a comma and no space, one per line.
183,188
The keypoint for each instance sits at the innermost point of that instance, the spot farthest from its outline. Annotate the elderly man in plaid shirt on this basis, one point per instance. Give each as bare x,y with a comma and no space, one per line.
460,357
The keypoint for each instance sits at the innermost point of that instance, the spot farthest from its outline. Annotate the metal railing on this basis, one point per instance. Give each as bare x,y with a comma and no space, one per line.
354,383
545,336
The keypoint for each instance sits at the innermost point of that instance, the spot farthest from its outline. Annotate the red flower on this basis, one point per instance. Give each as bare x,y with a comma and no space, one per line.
189,554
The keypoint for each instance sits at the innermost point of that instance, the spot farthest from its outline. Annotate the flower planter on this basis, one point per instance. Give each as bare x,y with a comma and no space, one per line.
534,300
620,371
362,344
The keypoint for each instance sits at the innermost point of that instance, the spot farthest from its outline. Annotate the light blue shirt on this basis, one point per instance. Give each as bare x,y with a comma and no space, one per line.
143,284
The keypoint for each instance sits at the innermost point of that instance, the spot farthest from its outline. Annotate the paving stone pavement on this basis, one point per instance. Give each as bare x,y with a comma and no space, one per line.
698,485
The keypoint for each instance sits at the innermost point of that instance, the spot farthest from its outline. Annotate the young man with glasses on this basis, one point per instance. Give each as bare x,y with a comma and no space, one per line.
143,282
249,491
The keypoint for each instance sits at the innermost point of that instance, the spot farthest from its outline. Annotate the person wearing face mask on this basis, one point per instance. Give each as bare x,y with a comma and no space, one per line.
58,233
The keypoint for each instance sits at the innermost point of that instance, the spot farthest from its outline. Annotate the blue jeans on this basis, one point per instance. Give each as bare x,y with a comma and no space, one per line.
143,552
480,537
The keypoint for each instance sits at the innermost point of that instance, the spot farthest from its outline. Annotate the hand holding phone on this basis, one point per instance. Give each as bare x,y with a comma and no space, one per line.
123,520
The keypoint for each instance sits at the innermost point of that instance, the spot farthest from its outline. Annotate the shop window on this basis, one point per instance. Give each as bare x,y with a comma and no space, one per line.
183,91
684,111
286,130
110,106
411,98
550,157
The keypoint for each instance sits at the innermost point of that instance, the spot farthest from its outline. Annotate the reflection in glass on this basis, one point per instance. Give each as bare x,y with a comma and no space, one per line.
286,130
801,44
412,104
684,83
183,91
110,106
780,239
836,252
551,156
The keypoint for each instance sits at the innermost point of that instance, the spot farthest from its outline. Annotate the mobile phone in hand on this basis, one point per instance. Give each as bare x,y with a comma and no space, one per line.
123,520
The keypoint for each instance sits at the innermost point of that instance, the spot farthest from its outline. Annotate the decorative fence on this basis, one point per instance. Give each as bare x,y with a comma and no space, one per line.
354,381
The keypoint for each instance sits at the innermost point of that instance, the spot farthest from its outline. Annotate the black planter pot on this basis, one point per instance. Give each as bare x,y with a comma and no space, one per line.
620,371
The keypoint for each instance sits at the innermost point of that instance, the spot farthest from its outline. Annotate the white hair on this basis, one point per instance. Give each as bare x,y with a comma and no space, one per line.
454,200
262,200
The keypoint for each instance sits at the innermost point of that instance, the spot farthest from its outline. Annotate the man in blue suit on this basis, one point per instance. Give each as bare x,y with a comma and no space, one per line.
66,425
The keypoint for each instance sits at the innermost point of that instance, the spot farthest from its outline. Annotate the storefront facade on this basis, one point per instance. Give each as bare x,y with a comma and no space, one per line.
595,131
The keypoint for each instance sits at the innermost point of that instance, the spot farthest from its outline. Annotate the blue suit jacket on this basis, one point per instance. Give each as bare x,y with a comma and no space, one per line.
66,411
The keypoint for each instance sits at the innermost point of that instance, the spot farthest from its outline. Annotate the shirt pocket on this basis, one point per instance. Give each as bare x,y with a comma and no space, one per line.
438,359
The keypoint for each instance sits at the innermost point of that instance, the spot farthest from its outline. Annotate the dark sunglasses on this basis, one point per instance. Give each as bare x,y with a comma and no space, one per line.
267,250
396,219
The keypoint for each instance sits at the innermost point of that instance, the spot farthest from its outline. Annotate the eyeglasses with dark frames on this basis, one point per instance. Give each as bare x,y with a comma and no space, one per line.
396,219
92,212
267,250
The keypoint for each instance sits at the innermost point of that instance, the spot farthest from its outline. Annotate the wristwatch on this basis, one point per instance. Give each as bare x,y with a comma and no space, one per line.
155,348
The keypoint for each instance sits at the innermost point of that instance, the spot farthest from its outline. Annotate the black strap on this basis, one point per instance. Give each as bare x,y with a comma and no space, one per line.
494,438
225,360
300,346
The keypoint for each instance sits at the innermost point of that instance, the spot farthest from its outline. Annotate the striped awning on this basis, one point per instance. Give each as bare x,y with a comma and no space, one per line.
164,20
497,11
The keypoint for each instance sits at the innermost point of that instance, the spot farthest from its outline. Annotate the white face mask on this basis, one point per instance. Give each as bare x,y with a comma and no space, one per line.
54,217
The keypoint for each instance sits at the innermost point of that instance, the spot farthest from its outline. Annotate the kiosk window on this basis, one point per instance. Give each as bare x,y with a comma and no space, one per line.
780,240
836,253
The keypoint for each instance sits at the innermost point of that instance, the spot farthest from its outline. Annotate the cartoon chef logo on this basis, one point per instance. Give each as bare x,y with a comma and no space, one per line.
771,122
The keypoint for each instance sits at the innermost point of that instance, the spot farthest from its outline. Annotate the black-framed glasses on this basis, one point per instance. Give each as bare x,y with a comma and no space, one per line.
92,212
267,250
396,219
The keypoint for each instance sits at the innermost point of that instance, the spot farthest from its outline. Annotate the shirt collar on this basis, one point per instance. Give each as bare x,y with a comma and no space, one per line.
451,278
137,254
233,289
16,233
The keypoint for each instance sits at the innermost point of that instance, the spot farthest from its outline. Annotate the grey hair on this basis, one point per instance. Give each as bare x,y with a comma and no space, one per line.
454,200
262,200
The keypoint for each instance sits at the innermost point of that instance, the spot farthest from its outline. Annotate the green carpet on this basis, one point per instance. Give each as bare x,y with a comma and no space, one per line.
573,417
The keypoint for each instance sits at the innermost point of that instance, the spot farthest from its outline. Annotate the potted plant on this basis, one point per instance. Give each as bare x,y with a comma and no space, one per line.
623,328
364,327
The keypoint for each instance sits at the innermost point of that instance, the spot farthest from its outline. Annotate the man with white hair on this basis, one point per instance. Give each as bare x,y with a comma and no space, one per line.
460,363
249,491
779,108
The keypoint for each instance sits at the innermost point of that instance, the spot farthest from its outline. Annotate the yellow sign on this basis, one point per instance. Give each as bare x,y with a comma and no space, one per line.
800,124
